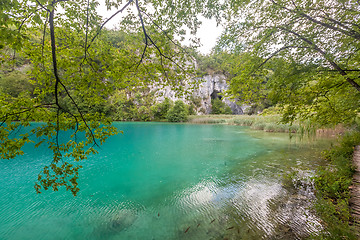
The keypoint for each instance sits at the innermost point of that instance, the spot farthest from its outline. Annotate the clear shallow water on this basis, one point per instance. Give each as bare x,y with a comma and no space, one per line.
167,181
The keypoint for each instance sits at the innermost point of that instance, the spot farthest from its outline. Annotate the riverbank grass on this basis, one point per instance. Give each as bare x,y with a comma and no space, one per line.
268,123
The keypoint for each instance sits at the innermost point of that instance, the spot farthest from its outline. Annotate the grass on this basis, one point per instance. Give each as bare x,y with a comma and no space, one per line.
332,190
269,123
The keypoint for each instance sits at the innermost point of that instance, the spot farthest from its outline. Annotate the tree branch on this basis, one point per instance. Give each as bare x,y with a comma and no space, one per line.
326,56
145,34
102,25
342,24
333,70
57,79
167,36
278,51
87,26
351,33
53,52
42,6
43,41
25,110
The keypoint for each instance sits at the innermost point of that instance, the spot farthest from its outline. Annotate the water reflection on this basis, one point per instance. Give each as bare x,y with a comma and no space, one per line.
254,209
254,202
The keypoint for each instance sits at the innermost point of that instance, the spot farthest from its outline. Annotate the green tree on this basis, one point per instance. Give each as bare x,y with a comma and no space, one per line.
302,55
160,110
178,113
191,109
219,107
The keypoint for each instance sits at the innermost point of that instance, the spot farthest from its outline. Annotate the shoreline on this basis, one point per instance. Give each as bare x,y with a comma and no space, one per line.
267,123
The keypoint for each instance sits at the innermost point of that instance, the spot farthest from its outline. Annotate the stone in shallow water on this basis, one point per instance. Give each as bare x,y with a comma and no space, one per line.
116,224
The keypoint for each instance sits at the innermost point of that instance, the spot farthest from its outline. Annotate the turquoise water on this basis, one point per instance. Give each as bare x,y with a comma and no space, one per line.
167,181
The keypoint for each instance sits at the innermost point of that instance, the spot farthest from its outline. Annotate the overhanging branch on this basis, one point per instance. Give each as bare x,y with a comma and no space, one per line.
277,52
326,56
102,25
348,32
57,78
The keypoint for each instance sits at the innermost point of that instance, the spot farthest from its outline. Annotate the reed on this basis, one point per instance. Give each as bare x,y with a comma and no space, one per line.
268,123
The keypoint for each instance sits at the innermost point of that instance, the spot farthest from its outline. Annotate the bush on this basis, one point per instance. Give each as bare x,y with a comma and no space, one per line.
219,107
143,114
126,108
14,83
160,110
178,113
191,110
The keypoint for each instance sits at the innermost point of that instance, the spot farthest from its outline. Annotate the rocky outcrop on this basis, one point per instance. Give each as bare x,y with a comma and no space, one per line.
211,87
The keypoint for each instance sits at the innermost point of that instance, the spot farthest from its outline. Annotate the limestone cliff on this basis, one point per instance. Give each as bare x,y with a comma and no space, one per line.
211,87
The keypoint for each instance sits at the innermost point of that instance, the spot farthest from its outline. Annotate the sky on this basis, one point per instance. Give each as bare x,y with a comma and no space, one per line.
208,32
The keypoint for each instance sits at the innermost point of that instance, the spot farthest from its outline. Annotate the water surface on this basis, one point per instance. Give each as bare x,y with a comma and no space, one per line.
168,181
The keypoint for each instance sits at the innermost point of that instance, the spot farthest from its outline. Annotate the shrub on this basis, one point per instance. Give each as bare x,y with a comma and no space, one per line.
160,110
143,114
14,83
219,107
191,110
178,113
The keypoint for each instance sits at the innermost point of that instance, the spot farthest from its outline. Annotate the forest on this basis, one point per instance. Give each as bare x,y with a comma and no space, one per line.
62,65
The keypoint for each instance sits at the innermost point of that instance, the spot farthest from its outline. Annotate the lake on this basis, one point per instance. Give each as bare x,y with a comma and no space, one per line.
169,181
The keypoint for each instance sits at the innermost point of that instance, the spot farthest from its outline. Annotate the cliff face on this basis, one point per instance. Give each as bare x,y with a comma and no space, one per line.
211,87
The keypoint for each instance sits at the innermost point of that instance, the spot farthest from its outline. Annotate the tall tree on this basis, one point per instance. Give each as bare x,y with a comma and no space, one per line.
307,53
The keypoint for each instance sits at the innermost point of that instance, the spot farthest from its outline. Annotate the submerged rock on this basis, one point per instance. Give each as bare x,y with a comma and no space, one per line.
116,224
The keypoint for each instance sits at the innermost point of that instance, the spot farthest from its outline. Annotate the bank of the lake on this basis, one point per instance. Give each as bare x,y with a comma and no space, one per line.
268,123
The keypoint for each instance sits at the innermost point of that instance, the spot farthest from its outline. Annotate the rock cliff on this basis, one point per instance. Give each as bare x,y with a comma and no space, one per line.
211,87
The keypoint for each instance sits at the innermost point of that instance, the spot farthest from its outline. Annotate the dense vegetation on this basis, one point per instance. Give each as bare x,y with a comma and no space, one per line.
219,107
301,56
333,189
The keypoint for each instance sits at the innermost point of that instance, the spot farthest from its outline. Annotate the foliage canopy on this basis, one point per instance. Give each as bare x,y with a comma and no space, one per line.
302,55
